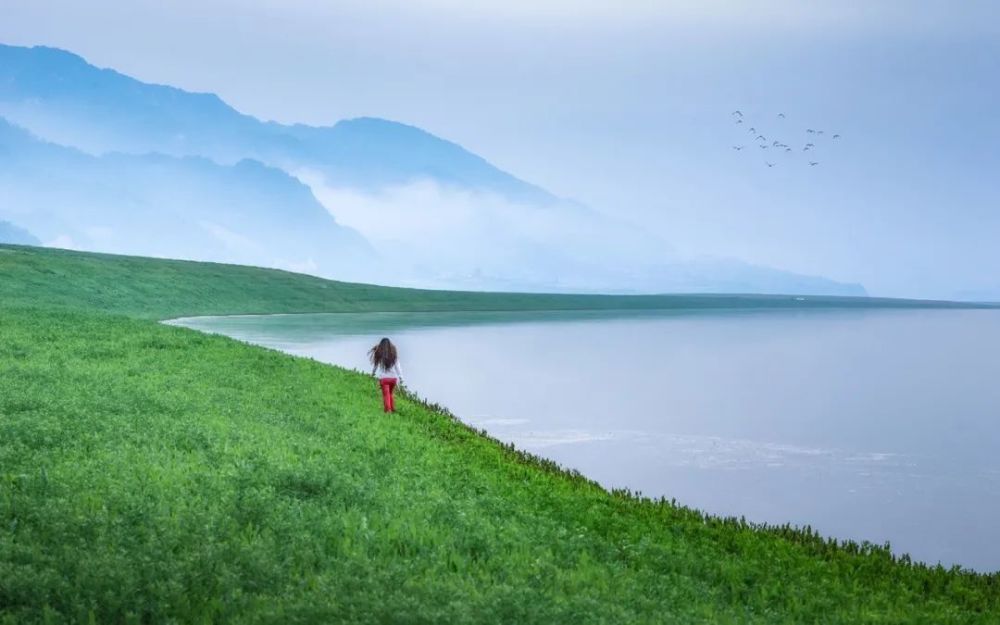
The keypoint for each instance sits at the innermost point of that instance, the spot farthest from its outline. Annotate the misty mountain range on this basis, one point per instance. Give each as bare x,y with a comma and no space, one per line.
156,205
9,233
93,159
62,98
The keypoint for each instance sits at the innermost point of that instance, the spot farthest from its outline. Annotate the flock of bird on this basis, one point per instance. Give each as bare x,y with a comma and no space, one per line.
761,141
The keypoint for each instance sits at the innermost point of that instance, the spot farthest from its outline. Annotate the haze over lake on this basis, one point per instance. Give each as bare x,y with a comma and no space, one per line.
877,425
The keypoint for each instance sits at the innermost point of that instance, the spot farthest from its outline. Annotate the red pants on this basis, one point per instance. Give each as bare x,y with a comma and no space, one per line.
388,385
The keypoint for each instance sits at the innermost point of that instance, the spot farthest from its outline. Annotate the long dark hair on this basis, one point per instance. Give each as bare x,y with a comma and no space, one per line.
383,355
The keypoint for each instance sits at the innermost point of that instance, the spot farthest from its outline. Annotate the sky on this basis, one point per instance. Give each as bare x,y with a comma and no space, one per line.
627,106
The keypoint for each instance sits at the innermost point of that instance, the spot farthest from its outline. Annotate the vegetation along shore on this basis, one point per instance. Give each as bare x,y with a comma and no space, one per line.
154,474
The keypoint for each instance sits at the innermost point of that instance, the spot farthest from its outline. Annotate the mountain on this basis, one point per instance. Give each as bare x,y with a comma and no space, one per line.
9,233
59,96
172,207
155,170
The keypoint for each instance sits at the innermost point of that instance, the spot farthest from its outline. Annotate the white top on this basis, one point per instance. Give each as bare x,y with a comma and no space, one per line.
392,372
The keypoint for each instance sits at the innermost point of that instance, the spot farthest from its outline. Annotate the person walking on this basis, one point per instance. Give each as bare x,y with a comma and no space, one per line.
385,369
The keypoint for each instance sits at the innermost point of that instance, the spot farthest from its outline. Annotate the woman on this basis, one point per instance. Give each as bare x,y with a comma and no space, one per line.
385,368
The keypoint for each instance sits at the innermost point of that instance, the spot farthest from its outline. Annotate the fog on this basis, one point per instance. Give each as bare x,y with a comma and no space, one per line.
431,235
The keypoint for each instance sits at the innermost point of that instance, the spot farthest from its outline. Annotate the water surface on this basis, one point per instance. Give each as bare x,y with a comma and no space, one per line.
882,425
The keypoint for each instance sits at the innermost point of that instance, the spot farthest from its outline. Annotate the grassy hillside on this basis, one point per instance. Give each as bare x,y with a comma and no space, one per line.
152,474
159,289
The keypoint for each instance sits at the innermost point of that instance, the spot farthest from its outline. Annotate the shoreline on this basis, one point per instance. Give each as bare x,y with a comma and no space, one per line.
151,469
294,339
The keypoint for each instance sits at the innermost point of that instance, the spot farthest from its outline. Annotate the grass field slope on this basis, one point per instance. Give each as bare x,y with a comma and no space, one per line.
153,474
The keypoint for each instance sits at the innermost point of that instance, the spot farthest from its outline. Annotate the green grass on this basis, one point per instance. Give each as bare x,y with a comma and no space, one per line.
157,289
153,474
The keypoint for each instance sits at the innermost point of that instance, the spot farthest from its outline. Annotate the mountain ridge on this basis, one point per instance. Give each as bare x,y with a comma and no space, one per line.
162,205
15,235
63,90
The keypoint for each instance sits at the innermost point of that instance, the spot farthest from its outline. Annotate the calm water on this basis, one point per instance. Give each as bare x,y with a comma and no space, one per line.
879,425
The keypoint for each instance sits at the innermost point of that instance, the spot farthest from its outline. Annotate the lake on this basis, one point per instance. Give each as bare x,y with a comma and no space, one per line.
879,425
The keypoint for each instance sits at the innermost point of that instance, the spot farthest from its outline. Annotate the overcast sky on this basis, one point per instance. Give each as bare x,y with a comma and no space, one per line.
627,107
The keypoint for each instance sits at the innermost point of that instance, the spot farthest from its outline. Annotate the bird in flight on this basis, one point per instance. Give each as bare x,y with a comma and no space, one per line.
752,130
760,138
805,149
810,131
737,113
737,147
813,163
781,115
739,121
819,132
836,136
788,149
763,146
810,145
769,164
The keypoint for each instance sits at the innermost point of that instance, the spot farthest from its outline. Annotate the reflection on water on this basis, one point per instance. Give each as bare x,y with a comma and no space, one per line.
880,425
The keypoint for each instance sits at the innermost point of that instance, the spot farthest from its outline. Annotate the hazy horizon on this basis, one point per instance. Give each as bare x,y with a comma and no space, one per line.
628,109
